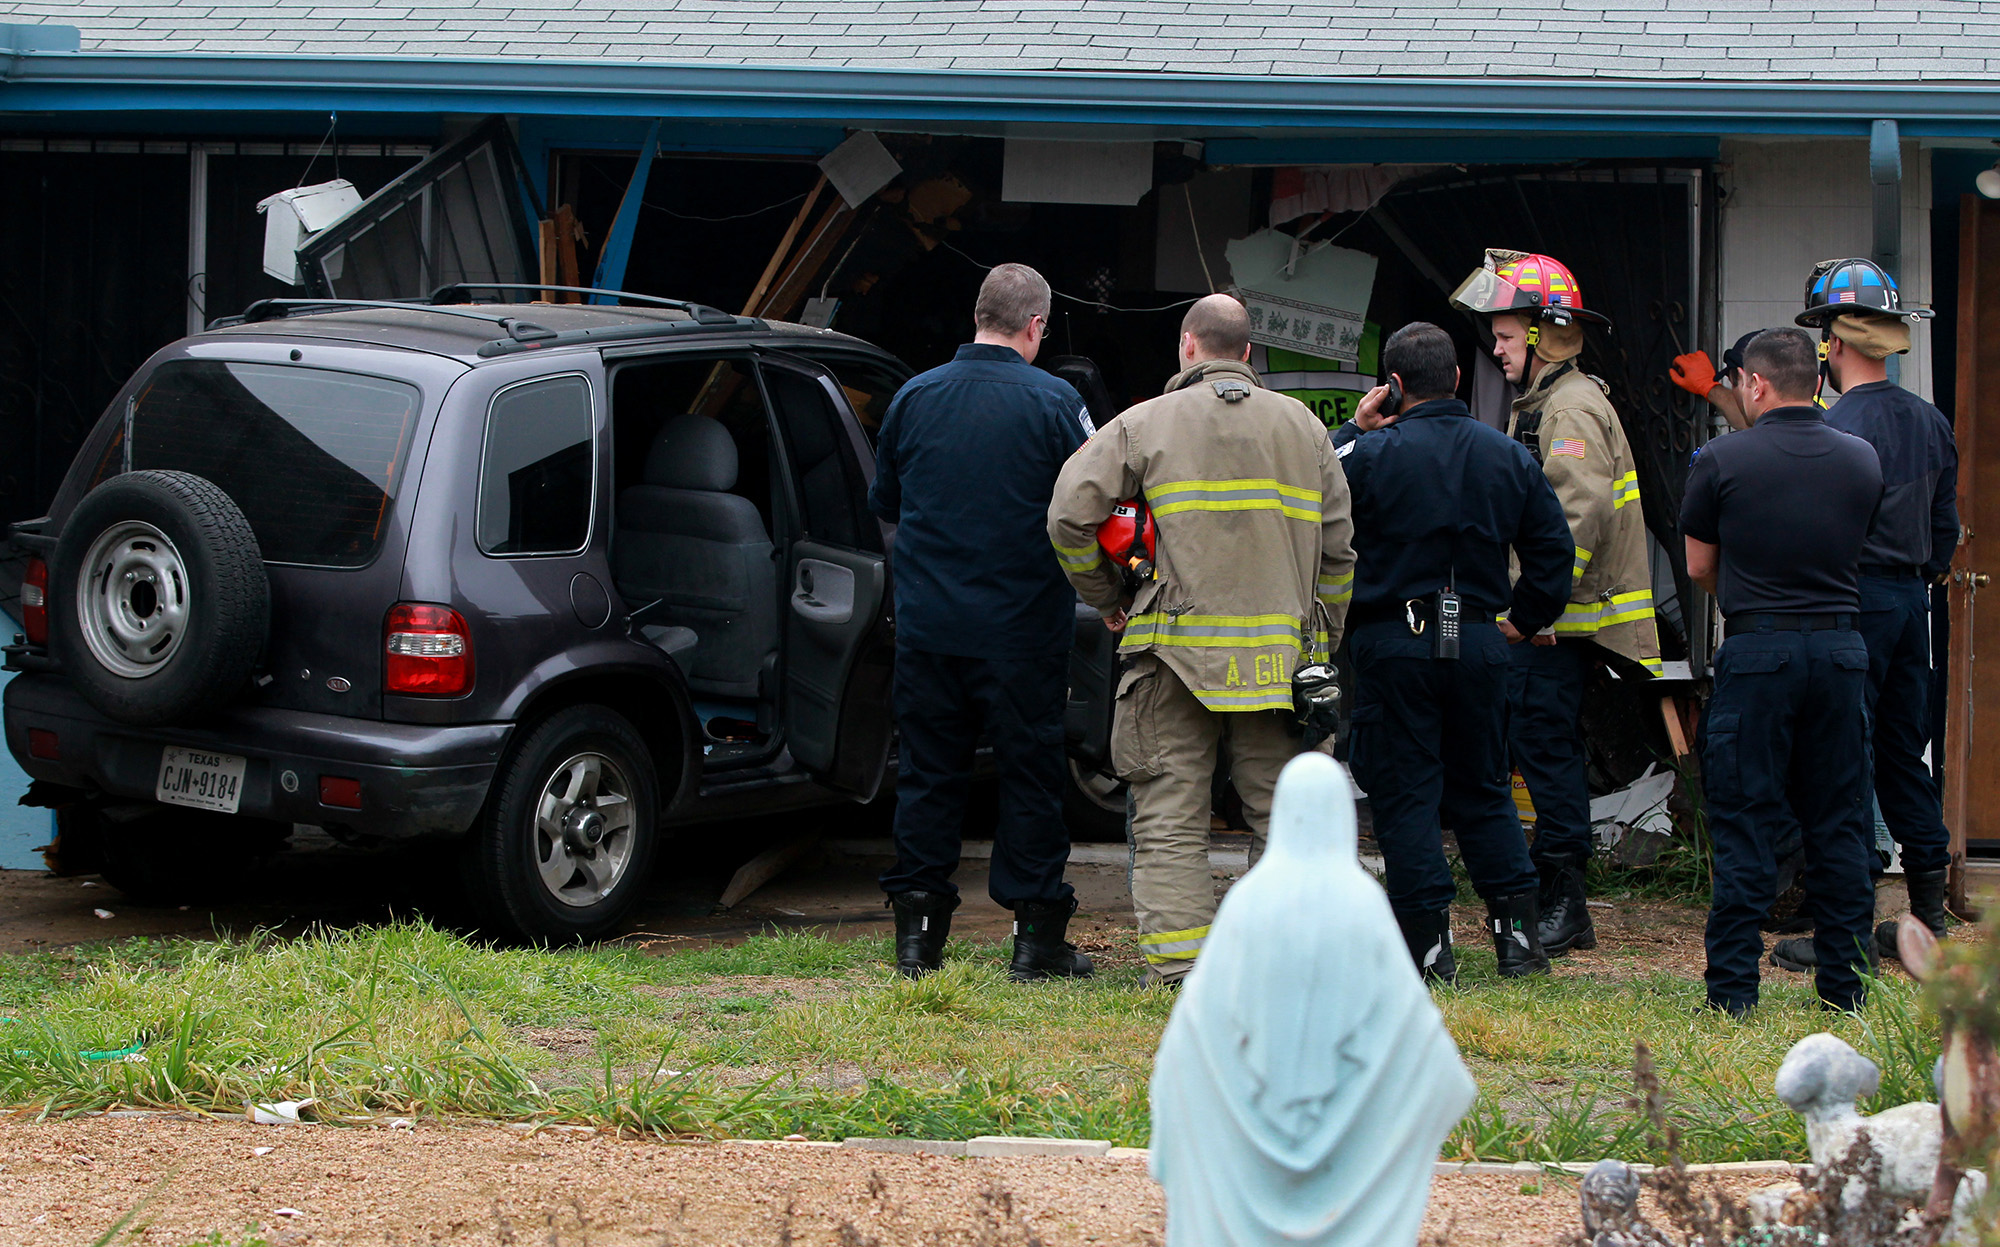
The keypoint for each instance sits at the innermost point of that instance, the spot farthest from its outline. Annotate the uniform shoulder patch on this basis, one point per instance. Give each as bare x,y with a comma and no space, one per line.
1342,451
1083,418
1571,446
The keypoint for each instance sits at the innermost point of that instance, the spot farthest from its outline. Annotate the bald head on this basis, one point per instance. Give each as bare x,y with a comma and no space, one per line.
1216,327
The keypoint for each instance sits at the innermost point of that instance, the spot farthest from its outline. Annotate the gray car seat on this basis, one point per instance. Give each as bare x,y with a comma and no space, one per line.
684,538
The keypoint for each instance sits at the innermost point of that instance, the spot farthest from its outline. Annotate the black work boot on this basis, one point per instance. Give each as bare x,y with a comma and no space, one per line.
1429,940
1515,922
1927,892
1798,954
1040,951
923,920
1565,920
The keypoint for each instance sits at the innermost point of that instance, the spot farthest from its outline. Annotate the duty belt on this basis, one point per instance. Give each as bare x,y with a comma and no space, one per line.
1738,624
1403,612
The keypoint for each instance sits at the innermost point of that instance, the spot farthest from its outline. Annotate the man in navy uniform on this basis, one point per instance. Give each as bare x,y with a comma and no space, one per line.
1774,521
1438,499
965,467
1855,306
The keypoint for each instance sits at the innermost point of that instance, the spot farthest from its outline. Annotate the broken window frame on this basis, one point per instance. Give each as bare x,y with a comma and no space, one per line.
444,248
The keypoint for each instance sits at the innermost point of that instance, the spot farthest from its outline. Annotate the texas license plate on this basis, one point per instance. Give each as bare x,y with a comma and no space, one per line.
195,777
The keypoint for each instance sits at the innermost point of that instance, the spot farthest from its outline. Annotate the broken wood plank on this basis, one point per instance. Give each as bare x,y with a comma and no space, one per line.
812,261
546,254
569,234
765,867
1670,712
783,248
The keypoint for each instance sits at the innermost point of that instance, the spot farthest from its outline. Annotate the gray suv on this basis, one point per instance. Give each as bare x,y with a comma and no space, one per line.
542,580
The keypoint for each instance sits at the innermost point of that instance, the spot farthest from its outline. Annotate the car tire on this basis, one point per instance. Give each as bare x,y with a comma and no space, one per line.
181,857
1093,806
158,603
566,842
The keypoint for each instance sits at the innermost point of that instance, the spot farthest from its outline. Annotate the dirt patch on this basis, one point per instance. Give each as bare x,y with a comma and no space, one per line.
561,1040
752,986
68,1182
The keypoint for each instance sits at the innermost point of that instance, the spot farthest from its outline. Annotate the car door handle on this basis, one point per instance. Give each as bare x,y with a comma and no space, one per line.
823,592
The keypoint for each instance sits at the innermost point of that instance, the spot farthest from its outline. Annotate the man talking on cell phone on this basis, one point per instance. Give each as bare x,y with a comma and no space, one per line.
1439,499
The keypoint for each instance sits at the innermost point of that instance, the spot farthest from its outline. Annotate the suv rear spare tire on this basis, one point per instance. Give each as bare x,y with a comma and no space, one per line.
565,844
158,602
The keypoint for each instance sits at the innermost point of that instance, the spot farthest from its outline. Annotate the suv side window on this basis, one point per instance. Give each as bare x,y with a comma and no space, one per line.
833,497
536,473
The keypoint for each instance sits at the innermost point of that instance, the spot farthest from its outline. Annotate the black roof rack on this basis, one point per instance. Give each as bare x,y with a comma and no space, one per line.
700,311
277,309
617,333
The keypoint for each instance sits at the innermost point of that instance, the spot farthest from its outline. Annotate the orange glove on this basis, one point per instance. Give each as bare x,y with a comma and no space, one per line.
1694,373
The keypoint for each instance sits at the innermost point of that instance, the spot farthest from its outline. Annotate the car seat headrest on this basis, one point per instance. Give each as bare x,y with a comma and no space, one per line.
693,452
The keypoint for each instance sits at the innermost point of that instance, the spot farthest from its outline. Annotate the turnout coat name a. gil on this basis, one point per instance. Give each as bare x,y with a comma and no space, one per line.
1251,507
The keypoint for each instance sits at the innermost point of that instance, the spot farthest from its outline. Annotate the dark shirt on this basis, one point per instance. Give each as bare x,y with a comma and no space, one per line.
1917,526
1789,500
1438,495
965,467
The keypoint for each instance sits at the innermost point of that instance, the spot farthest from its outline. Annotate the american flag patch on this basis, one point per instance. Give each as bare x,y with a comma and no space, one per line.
1571,446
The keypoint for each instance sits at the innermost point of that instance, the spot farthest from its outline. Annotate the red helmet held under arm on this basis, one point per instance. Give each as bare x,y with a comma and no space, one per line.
1130,537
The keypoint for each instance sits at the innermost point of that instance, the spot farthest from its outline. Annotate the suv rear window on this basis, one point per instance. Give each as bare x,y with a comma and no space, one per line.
311,456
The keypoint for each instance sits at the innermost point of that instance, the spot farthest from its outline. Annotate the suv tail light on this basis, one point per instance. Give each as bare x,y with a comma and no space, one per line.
427,651
35,602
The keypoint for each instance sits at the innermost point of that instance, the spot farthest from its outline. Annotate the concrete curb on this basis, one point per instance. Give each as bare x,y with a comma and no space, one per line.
992,1147
1718,1169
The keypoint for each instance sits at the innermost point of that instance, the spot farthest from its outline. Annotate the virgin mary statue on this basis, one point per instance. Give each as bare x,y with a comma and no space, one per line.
1306,1080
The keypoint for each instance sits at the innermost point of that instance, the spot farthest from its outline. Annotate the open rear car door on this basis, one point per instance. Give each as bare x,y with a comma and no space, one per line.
838,642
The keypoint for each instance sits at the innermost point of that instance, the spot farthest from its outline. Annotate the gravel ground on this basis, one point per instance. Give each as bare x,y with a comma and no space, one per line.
67,1182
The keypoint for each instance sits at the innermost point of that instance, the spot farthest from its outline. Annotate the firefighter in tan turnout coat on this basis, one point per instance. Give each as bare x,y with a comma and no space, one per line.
1566,421
1252,519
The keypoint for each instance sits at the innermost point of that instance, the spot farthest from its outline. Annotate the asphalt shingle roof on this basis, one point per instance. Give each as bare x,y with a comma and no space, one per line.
1742,40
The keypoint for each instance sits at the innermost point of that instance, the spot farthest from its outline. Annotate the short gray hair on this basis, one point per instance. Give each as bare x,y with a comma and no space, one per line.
1011,296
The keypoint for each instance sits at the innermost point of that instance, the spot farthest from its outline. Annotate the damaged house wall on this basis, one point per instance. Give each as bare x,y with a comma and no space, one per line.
1791,203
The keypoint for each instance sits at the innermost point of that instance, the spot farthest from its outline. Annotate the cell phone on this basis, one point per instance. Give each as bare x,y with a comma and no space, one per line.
1395,402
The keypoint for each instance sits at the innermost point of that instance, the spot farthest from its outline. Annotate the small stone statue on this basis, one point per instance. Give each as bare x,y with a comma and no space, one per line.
1611,1218
1306,1080
1820,1080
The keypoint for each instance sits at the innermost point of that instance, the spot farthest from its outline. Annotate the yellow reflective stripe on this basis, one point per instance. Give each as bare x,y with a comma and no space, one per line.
1582,561
1244,699
1621,608
1231,631
1625,490
1079,558
1334,590
1248,494
1653,666
1166,946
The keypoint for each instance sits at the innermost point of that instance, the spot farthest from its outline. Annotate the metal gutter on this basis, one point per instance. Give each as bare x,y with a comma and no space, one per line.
92,81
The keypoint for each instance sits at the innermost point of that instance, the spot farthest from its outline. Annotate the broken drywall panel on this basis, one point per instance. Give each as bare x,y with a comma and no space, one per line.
1060,171
1313,300
1197,220
859,167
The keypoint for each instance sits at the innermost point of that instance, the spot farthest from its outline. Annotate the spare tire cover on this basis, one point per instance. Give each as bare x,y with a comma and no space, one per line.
158,603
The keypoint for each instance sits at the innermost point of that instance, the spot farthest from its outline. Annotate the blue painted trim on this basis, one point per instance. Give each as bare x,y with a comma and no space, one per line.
625,226
1459,149
973,98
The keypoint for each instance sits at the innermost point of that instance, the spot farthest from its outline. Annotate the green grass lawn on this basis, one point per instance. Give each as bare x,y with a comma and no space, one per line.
799,1034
